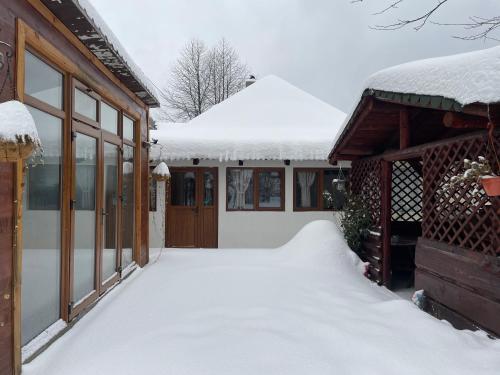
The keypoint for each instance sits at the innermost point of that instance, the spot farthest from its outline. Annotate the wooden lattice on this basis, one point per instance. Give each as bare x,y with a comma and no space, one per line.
365,182
458,216
406,199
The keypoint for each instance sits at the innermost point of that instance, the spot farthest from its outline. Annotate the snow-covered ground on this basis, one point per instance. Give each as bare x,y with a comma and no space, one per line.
304,308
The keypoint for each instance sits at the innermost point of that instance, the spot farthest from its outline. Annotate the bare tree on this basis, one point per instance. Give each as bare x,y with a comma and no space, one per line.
186,95
477,27
227,72
200,78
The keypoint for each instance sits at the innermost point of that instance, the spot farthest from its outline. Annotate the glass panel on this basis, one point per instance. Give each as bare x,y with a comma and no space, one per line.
42,81
110,213
109,118
128,206
42,230
334,190
85,105
306,188
208,188
240,189
183,189
153,188
85,216
270,189
128,128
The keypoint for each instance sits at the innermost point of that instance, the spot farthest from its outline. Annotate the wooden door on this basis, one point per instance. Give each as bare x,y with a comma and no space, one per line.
192,208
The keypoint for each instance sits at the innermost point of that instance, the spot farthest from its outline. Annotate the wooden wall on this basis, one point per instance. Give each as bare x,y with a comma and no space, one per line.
461,280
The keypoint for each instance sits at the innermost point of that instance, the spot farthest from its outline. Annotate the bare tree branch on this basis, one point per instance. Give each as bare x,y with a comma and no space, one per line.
482,28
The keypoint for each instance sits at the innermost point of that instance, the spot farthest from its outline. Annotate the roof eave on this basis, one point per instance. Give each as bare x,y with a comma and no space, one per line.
76,19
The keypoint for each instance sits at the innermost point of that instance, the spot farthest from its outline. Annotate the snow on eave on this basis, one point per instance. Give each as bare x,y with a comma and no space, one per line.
454,81
17,125
85,22
269,120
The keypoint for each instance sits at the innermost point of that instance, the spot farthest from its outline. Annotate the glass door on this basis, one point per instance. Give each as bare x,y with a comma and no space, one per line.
85,207
109,212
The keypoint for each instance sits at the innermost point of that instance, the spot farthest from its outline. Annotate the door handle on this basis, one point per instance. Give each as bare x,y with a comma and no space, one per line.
104,213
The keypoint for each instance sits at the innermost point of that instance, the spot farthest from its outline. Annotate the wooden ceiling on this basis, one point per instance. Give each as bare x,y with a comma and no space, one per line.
378,126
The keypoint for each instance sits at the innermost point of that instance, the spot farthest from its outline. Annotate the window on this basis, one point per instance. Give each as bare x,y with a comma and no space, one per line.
319,189
260,189
85,105
153,191
43,82
128,206
109,118
128,128
41,255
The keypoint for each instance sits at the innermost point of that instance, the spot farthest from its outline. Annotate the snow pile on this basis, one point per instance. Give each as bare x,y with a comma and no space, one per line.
105,32
304,308
17,125
467,78
161,170
269,120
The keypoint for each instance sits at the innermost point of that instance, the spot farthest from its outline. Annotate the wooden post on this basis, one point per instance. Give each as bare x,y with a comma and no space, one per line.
385,219
17,265
404,129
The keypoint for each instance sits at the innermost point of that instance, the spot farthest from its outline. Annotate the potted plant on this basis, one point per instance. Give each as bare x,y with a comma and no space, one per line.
480,173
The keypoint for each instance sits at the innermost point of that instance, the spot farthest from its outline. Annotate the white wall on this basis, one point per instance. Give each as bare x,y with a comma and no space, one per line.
240,229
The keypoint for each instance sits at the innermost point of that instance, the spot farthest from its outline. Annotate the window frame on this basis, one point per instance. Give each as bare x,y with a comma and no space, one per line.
321,178
76,84
256,171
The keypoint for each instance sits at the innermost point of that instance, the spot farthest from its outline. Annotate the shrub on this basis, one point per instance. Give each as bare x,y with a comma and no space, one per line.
355,221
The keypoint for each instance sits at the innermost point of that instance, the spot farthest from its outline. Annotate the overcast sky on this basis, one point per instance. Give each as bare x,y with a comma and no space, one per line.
324,47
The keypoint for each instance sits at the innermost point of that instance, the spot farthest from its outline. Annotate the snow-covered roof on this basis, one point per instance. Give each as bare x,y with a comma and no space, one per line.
16,124
269,120
466,78
85,22
463,79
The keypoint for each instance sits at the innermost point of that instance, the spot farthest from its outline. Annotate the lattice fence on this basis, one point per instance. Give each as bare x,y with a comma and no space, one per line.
457,216
406,200
365,182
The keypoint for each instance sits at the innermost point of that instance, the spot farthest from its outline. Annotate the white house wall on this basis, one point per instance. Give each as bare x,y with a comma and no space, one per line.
243,229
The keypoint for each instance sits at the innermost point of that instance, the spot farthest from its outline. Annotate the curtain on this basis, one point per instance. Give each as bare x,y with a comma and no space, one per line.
306,180
242,179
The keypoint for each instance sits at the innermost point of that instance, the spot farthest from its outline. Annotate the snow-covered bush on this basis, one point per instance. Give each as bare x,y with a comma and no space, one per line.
355,221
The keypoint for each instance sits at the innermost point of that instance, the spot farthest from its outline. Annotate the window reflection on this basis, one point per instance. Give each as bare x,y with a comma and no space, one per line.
128,215
42,230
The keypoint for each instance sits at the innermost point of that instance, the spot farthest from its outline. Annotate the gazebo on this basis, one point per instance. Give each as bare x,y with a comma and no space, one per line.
407,137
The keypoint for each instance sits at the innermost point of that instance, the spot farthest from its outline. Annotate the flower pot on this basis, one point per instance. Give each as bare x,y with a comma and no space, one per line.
491,185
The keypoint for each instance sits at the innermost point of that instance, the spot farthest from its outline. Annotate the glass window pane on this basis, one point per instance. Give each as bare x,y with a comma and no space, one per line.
270,189
208,189
153,188
128,216
42,231
109,118
110,213
306,188
42,81
334,189
85,105
85,216
240,189
183,189
128,128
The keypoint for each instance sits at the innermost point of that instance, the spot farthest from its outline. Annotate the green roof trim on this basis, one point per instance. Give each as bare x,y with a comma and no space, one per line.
416,100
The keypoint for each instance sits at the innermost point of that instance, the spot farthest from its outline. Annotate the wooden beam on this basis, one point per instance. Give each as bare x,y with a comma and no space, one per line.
461,121
386,187
404,129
